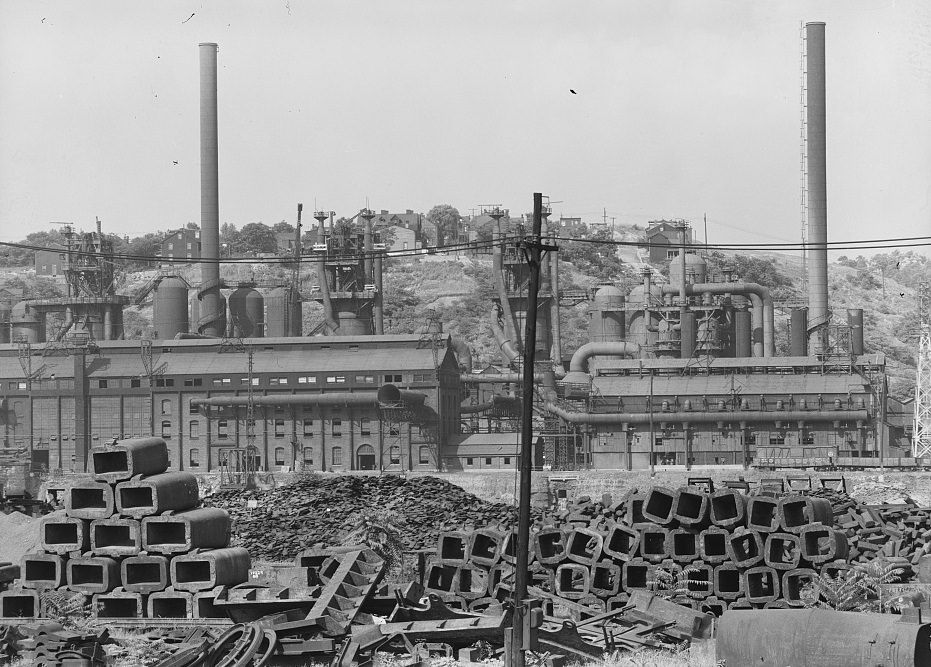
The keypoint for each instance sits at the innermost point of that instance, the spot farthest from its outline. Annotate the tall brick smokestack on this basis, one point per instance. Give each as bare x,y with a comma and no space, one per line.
816,151
212,310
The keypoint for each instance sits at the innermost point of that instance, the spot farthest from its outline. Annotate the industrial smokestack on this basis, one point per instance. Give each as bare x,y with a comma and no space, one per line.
815,140
212,310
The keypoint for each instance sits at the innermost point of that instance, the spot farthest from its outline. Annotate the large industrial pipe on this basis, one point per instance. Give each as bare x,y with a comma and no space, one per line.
817,189
510,324
332,324
608,418
504,342
822,637
212,310
579,362
763,312
463,354
386,395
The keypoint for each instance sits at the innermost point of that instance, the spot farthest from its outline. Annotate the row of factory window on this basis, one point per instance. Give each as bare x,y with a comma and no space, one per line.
336,456
273,381
280,429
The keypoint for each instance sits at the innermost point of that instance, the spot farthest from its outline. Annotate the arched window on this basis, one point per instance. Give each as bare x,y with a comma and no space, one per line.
279,456
395,454
424,455
308,455
337,456
166,430
166,406
193,429
194,458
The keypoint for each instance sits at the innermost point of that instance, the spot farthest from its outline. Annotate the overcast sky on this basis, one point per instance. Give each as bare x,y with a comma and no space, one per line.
681,108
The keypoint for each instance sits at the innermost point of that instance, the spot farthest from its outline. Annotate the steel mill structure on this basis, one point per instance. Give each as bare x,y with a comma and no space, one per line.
680,373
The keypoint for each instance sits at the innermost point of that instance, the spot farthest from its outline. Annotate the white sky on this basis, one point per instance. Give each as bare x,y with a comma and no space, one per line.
682,107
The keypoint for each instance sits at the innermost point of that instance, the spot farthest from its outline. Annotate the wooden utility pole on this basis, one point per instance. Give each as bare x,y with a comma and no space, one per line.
532,250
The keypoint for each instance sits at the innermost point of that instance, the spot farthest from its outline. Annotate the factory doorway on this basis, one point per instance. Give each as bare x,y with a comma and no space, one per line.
365,458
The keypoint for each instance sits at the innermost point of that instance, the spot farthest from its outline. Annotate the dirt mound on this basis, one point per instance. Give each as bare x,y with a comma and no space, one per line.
320,508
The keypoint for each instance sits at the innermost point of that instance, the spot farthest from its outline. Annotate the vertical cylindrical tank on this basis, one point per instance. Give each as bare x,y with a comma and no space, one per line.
816,154
687,330
276,313
855,323
799,333
211,321
27,324
4,323
171,309
283,313
606,316
696,270
742,333
247,313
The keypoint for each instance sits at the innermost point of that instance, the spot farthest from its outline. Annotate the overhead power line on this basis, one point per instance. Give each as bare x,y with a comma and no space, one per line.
865,244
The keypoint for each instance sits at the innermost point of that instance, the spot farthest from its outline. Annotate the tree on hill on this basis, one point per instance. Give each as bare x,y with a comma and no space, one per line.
446,218
595,256
256,237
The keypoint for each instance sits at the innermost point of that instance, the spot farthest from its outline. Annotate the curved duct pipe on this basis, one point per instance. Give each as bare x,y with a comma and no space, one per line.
463,354
611,418
762,311
554,312
66,325
386,394
510,326
579,362
332,324
505,343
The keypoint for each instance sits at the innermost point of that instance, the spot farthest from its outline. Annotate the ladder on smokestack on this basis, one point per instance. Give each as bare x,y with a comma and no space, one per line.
921,443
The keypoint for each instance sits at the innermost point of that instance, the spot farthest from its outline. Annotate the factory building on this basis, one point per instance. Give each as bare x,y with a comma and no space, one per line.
352,403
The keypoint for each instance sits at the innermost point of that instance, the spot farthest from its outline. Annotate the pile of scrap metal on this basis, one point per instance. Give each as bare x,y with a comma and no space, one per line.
328,605
50,644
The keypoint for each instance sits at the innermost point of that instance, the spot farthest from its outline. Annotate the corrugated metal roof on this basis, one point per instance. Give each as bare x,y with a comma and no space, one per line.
716,385
355,354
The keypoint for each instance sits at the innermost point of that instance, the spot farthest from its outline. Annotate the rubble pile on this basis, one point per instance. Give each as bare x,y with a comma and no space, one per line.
901,531
132,543
317,509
